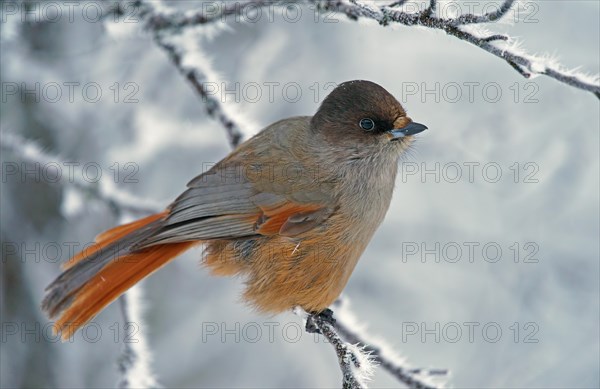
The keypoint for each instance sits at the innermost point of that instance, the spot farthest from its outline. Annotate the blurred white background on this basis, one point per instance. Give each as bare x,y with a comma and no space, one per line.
414,301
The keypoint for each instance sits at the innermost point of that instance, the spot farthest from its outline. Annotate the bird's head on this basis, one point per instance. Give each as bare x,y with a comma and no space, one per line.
362,114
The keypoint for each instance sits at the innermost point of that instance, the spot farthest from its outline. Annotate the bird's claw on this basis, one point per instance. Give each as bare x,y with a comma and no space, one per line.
311,321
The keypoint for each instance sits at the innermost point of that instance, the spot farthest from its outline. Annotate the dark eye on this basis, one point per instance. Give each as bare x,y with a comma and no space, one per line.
367,124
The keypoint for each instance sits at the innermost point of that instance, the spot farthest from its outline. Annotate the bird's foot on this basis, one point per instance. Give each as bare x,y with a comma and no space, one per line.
325,316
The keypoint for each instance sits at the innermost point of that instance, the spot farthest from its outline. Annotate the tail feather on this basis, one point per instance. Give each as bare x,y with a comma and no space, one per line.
110,236
95,278
112,281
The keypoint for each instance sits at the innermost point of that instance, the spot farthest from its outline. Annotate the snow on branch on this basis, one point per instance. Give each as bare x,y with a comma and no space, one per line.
501,46
198,79
359,353
357,366
348,328
486,18
464,27
177,21
191,62
135,359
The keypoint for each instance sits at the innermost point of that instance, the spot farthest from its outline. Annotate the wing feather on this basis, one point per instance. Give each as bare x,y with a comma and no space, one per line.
224,204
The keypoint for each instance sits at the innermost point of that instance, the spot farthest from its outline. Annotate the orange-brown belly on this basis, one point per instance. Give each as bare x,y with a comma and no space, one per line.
282,273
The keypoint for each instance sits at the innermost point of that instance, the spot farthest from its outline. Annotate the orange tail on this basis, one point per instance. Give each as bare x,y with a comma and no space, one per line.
97,276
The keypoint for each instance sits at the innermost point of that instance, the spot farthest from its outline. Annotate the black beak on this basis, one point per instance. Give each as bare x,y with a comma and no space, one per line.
410,129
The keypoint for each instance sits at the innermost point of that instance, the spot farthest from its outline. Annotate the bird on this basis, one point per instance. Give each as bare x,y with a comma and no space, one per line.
291,210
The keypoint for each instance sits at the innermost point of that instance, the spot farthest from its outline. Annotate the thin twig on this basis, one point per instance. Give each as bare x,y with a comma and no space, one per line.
160,27
524,63
398,3
128,357
414,378
346,358
432,7
487,18
402,374
221,10
355,368
497,37
198,80
385,15
134,362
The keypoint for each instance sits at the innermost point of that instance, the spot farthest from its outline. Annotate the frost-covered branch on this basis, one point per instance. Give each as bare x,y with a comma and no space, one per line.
135,359
348,327
198,80
196,70
358,352
499,45
464,27
356,364
486,18
177,21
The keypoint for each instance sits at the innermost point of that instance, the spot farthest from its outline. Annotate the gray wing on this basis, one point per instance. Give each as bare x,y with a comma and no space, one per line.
218,206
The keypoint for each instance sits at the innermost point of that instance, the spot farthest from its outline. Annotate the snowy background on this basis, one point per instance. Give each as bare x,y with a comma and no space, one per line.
422,303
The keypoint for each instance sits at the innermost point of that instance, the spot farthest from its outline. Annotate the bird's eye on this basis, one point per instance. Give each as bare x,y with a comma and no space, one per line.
367,124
